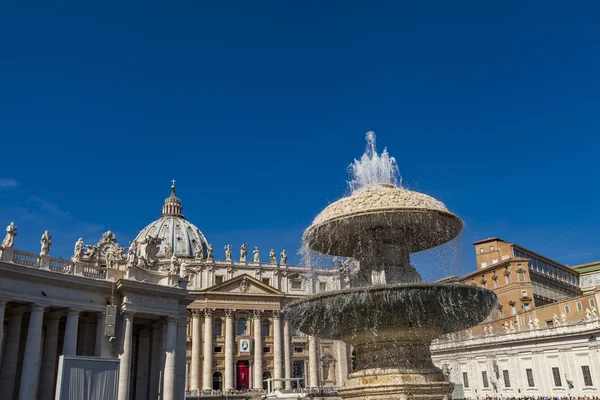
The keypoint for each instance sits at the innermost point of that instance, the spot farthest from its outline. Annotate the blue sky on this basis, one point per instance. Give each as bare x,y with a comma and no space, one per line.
257,109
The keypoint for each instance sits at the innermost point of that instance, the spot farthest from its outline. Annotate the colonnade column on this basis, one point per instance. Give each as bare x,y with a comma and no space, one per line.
196,345
169,370
287,354
228,350
208,350
49,355
181,356
2,309
31,359
141,381
155,363
258,350
277,349
11,352
313,364
124,355
70,340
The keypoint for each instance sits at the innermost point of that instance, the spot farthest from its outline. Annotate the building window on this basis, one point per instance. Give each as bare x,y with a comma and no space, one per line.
491,248
298,349
217,381
507,279
218,279
579,306
567,310
466,377
526,307
266,281
587,376
556,376
523,293
513,309
483,264
265,329
217,328
592,303
530,381
494,261
322,286
484,379
218,349
506,378
266,349
481,250
522,277
495,283
522,321
296,284
241,326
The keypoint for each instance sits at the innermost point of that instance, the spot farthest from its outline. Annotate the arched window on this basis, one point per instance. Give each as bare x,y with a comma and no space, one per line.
217,381
241,326
265,329
266,375
217,327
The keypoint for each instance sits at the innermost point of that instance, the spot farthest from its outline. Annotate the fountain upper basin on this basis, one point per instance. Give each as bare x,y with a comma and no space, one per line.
387,214
340,314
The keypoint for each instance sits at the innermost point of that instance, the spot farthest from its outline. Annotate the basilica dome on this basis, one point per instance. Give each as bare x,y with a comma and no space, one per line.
178,236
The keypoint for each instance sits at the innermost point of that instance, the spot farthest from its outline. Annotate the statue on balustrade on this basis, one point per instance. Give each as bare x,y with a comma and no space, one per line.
210,252
46,242
555,321
588,314
256,253
79,249
132,254
174,267
563,319
148,249
243,252
536,322
273,257
228,252
9,239
283,258
594,313
198,251
530,323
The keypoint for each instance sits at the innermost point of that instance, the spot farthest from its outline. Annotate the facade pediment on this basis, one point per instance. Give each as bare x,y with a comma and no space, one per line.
243,285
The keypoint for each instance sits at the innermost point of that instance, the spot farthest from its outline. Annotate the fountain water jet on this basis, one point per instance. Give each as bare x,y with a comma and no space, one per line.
393,319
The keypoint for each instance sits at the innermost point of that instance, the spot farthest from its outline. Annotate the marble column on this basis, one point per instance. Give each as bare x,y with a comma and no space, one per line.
10,355
49,359
196,346
181,356
258,350
169,370
141,381
125,355
287,353
30,371
342,367
155,362
208,350
228,350
70,340
313,364
2,310
277,349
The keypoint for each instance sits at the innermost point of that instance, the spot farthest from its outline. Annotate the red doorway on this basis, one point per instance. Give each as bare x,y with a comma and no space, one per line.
243,374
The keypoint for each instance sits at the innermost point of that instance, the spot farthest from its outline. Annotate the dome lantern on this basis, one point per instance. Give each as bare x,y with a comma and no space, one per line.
172,204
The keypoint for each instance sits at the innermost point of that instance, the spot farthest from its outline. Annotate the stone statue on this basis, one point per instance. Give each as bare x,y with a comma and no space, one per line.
530,323
78,252
168,250
505,327
256,253
588,314
490,330
9,239
273,257
132,254
555,321
563,319
46,242
243,252
228,252
283,258
594,313
512,326
173,270
536,323
198,252
210,252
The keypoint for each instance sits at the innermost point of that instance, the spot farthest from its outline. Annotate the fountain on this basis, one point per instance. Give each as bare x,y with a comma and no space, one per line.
392,317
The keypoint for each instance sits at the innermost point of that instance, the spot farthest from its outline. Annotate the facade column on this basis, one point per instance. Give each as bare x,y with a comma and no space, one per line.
49,359
125,355
313,364
208,350
228,384
155,363
2,310
342,367
169,370
31,359
277,349
10,355
287,353
70,340
181,356
258,350
141,381
196,345
104,347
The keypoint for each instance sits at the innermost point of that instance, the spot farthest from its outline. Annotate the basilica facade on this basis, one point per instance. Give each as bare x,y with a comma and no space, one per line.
178,318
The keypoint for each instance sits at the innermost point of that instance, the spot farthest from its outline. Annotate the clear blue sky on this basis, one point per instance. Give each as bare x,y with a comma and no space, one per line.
257,108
